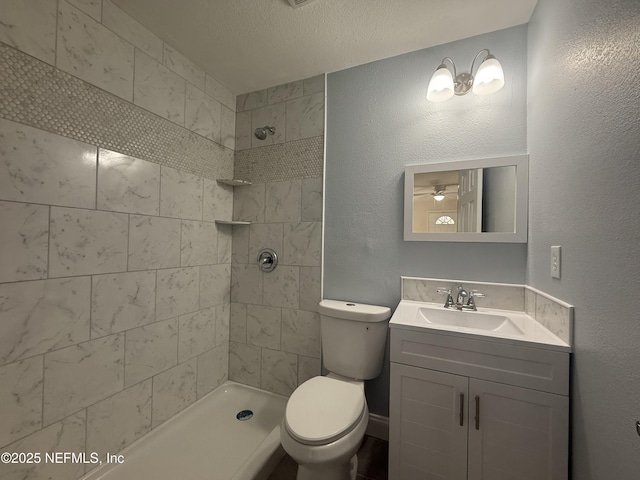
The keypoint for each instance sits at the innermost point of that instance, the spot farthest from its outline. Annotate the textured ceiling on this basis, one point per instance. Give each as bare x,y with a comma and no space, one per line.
254,44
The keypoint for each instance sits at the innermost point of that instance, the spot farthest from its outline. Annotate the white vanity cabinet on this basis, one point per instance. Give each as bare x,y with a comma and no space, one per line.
467,408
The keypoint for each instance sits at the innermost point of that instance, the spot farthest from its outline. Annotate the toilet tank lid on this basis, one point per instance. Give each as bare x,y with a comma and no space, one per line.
359,312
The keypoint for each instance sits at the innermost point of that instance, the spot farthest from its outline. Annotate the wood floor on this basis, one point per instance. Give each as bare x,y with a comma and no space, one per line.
373,458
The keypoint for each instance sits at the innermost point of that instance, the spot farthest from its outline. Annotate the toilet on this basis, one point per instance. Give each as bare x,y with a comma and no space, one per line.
326,417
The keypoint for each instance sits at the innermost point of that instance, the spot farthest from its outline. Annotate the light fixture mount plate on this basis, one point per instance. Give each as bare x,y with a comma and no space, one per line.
462,83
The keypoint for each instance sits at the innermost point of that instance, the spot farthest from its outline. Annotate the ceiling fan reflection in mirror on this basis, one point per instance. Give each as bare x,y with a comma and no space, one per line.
439,192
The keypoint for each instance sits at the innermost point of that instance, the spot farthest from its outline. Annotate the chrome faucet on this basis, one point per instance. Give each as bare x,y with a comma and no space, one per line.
448,303
461,295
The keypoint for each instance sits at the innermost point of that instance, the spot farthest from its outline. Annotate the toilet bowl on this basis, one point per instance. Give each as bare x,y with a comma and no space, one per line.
326,417
323,427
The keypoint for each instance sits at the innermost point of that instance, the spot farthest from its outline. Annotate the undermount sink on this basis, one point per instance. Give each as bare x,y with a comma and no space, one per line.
468,320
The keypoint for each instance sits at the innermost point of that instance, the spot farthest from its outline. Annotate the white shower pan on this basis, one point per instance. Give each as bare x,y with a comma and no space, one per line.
207,442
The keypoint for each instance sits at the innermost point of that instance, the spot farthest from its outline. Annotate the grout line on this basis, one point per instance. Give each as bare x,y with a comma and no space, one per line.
55,47
124,359
102,210
101,7
95,338
128,239
187,83
116,272
160,190
201,180
155,301
91,307
181,241
86,432
95,206
133,79
42,412
48,244
177,320
151,427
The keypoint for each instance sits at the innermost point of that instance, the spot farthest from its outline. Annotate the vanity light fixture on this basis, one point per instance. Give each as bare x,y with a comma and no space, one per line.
489,79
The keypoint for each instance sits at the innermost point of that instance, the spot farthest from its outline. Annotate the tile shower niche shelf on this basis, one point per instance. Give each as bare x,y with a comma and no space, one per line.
233,182
231,222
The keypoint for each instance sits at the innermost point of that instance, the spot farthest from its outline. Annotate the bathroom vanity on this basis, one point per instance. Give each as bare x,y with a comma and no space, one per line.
476,395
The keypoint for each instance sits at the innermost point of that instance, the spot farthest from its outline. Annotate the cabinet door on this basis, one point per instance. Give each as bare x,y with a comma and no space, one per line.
427,425
521,434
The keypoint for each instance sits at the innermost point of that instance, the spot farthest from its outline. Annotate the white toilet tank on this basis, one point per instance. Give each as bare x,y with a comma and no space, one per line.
353,338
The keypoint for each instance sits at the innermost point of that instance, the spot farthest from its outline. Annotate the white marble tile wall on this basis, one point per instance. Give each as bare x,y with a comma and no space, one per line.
295,109
99,43
274,324
552,313
25,255
30,27
114,298
203,114
158,89
92,8
127,184
66,435
502,296
130,30
117,421
40,172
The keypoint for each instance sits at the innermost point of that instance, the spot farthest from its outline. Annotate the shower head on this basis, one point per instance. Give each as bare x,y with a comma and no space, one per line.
261,133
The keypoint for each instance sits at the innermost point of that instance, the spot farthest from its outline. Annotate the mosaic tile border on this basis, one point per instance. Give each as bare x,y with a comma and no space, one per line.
286,161
34,93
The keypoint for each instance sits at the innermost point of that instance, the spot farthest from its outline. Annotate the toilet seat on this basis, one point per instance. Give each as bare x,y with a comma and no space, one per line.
324,409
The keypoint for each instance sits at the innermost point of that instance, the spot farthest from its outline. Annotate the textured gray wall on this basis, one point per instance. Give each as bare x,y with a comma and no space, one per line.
584,145
378,121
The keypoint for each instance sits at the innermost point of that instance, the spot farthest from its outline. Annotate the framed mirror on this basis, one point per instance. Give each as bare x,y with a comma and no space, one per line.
483,200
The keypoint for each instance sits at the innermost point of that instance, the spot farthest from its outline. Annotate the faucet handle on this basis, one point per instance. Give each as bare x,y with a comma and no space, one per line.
446,291
471,303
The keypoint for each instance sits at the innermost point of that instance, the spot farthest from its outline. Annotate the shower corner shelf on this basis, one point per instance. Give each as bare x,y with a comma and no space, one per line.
233,182
231,222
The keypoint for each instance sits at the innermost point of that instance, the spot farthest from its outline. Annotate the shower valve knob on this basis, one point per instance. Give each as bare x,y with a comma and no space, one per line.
267,260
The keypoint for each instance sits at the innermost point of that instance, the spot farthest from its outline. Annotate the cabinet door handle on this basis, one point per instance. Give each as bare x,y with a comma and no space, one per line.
461,409
477,412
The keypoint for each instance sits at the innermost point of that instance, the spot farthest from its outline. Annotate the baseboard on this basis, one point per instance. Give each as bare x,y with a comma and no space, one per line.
378,427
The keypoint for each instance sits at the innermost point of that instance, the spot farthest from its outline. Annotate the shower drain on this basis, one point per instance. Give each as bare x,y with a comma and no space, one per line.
244,415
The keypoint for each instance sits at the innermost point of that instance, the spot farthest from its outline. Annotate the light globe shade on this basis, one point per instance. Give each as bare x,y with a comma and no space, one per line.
441,85
438,197
490,77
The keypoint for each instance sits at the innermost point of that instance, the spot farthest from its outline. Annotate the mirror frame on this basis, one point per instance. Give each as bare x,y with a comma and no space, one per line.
521,162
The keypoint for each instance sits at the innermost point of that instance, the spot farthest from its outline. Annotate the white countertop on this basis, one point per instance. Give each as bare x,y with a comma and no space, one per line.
533,335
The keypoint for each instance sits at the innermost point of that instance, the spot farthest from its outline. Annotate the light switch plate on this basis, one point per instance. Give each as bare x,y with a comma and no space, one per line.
555,262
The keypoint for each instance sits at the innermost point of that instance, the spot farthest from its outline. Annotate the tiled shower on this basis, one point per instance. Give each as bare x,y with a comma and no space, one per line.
274,326
121,300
